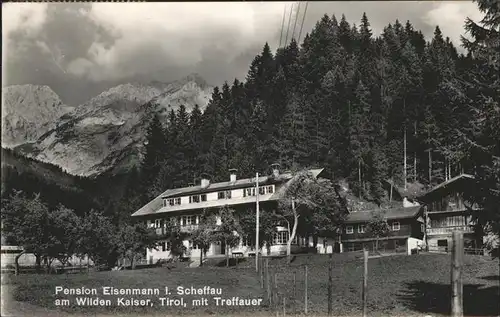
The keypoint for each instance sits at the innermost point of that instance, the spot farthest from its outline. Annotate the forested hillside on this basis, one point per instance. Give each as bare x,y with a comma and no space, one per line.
369,109
57,187
396,108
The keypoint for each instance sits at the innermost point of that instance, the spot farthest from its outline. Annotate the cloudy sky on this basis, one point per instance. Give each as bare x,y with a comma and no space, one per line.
82,49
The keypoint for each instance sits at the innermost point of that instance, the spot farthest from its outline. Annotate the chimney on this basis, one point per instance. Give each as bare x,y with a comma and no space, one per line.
276,170
232,175
205,180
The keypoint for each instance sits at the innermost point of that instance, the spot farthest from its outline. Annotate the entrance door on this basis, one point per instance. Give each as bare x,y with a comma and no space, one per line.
443,245
222,247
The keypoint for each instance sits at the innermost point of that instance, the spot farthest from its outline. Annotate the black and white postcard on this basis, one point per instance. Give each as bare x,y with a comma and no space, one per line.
250,158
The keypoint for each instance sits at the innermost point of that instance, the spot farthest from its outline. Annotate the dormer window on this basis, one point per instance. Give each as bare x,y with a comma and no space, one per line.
174,201
247,192
264,190
224,195
197,198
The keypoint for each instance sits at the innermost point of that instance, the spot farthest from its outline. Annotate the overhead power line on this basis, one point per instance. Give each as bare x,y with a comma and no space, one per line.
302,24
288,28
282,26
296,18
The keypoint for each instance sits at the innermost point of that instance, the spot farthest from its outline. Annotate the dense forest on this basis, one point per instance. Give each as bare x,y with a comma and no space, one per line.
370,109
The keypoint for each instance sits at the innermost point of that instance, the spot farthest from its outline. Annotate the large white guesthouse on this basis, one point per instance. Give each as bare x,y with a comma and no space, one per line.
187,204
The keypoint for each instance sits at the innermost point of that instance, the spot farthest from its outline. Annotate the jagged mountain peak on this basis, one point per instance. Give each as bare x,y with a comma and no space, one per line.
29,111
196,78
109,130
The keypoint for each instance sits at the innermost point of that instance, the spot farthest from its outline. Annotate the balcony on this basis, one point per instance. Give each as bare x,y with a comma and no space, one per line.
189,228
449,230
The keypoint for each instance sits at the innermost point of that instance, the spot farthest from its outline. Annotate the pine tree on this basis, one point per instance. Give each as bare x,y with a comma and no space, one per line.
480,139
154,152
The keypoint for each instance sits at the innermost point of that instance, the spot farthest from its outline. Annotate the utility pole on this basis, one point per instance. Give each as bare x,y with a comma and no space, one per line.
257,222
404,162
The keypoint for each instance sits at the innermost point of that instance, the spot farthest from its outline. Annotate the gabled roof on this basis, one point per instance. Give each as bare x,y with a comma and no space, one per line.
239,183
155,206
444,188
390,214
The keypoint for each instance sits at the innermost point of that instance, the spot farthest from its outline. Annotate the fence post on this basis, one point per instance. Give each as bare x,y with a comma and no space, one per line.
294,284
268,284
330,284
284,307
365,281
261,273
275,285
457,260
305,291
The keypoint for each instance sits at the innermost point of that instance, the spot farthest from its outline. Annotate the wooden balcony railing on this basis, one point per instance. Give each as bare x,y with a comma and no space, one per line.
188,228
448,230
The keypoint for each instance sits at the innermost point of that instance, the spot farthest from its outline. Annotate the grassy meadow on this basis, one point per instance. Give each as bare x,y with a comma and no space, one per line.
401,285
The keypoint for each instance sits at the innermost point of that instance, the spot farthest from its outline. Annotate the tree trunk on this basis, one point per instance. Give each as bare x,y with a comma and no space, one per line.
294,231
415,155
201,257
17,262
132,263
445,169
38,265
227,253
359,173
430,168
390,194
48,263
404,158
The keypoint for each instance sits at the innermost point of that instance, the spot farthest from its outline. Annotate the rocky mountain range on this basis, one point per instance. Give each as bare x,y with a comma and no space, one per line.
104,134
29,111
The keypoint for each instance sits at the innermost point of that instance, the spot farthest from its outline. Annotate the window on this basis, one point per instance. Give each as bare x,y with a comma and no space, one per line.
194,199
361,229
422,227
164,247
168,245
187,220
204,197
174,201
395,226
193,246
245,241
349,229
281,237
442,243
157,223
262,190
224,195
249,192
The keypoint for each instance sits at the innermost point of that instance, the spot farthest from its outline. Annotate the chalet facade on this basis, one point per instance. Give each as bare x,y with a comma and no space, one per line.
186,205
446,211
406,231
